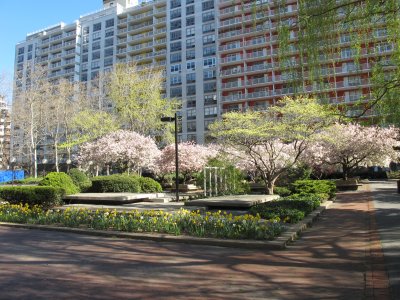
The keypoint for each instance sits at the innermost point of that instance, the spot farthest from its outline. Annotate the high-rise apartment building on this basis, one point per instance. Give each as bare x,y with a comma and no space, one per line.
5,134
218,55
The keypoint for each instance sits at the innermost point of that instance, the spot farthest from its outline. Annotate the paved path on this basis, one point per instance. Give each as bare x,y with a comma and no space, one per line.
387,212
335,259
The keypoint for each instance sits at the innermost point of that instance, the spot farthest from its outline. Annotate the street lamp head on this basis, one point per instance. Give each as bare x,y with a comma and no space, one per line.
167,119
68,161
44,161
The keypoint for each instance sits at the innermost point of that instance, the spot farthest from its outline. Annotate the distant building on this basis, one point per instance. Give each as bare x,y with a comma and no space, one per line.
5,134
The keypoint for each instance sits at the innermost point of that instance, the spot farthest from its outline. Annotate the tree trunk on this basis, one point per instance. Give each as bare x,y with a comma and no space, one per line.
56,157
35,173
345,172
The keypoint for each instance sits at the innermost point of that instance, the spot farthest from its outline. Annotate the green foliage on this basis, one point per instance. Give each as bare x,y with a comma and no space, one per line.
290,209
80,179
149,185
394,175
215,225
232,179
282,191
60,180
300,172
115,184
44,196
314,187
27,180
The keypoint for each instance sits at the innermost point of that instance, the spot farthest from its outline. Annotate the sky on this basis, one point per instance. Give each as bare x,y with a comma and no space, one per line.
18,18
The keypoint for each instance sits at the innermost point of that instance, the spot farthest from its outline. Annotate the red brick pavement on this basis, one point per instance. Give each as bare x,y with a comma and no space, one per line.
338,258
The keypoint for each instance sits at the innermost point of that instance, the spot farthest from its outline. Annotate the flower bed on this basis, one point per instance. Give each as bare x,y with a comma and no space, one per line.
183,222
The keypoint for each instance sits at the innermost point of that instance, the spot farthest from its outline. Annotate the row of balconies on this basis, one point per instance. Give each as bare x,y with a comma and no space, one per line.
56,38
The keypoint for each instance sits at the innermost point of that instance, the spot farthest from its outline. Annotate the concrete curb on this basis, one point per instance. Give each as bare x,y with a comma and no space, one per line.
279,243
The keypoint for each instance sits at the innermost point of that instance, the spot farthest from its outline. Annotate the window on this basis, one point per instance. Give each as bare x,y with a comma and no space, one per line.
190,77
345,38
175,57
84,77
176,24
85,39
175,68
209,62
30,48
176,35
109,23
110,32
190,54
108,61
95,64
96,45
84,67
208,16
208,27
190,65
189,10
191,114
109,42
208,39
176,79
347,53
210,87
207,5
191,101
207,123
21,50
191,126
94,75
96,27
175,3
95,55
210,111
354,95
108,52
176,92
29,56
209,74
190,90
189,2
190,43
20,58
384,47
354,81
210,50
85,58
176,46
86,30
96,36
190,31
176,13
210,99
190,21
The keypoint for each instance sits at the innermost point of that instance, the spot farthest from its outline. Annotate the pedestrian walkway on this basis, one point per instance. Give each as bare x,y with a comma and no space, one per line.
340,257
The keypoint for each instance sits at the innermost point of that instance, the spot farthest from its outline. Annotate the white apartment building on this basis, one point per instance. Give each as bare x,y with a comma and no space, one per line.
5,134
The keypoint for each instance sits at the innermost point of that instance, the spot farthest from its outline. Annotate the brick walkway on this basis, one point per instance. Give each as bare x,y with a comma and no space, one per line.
338,258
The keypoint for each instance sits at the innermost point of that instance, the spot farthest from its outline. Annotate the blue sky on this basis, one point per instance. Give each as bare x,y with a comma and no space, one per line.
17,18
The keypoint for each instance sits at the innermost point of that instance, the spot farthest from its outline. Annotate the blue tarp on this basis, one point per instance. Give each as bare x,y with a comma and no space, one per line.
9,175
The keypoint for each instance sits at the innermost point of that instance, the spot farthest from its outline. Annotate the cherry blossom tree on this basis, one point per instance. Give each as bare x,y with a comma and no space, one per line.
128,148
192,158
353,145
271,142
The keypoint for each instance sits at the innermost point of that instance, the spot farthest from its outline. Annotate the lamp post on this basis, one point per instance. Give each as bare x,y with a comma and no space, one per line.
44,162
172,119
12,161
68,164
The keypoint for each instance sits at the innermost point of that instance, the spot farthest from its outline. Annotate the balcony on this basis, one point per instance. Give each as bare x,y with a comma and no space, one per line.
231,84
231,58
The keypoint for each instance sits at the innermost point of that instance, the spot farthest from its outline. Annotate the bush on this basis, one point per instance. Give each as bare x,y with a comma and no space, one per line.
80,179
60,180
28,180
44,196
314,187
282,191
115,183
288,209
149,185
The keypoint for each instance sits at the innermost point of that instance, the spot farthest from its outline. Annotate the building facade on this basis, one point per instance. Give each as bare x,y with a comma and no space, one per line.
218,55
5,134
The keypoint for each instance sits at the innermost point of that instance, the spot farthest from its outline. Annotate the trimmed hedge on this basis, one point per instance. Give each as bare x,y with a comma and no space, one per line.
282,191
314,187
149,185
115,184
44,196
60,180
80,179
290,209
